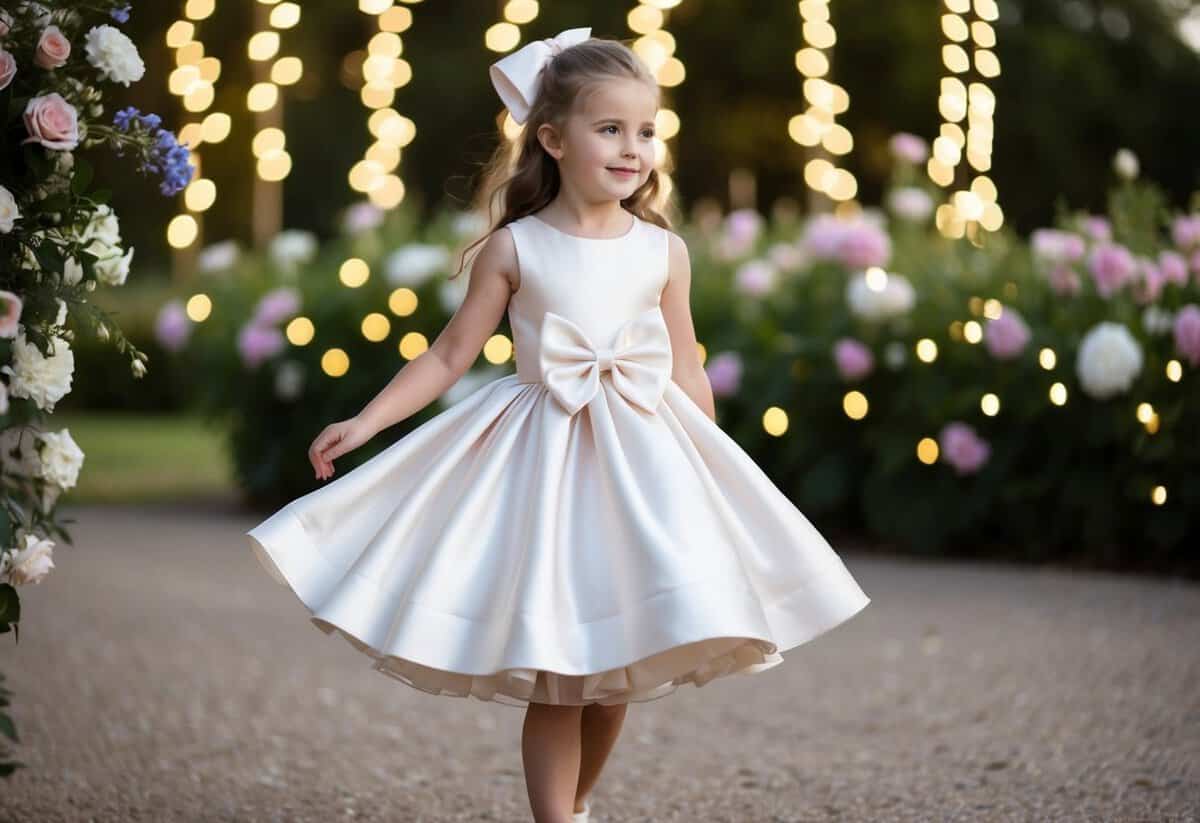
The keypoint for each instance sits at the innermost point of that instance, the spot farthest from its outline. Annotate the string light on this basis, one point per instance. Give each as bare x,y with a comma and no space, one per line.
656,47
273,163
967,211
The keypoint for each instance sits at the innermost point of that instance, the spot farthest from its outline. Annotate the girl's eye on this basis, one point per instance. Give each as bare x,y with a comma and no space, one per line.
648,133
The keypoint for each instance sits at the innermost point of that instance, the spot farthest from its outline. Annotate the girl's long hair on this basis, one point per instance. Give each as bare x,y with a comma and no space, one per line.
520,177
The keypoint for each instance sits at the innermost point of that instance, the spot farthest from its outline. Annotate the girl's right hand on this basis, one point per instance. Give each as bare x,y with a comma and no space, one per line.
335,440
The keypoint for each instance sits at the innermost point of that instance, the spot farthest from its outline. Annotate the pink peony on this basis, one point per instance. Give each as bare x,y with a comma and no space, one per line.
1007,335
1064,280
1112,266
10,313
865,244
823,236
1185,231
257,343
853,359
1187,333
8,68
1174,267
962,448
909,147
53,48
172,328
52,121
724,373
277,306
1148,281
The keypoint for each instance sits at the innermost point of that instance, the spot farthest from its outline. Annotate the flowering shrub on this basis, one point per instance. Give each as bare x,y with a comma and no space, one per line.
58,239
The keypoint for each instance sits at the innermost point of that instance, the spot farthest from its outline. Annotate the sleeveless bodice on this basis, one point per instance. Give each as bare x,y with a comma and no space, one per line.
598,284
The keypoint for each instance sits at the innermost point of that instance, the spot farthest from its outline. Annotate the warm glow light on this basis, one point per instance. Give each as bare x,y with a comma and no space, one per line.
335,362
413,345
182,231
300,331
376,327
927,350
927,451
354,272
854,404
990,404
198,307
1047,359
775,421
498,349
1159,495
402,302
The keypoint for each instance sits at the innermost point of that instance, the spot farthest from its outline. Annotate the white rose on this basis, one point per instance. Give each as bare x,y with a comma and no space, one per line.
415,263
72,272
32,561
292,247
1109,359
61,458
45,380
8,210
114,55
1125,163
896,297
113,270
104,226
218,256
910,203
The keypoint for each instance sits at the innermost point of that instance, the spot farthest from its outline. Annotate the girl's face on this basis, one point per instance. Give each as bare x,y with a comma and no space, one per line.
611,131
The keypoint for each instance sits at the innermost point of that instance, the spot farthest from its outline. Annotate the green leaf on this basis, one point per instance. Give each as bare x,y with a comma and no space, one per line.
100,196
83,175
10,604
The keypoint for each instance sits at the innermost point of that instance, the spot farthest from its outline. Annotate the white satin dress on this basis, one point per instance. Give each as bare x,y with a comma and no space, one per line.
577,532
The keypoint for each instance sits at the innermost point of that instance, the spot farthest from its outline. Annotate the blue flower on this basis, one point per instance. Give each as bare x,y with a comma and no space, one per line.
121,15
161,153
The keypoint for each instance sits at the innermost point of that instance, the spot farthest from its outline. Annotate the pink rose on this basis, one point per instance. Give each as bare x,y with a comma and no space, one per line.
1112,266
1187,333
962,448
8,68
52,121
1057,246
10,313
1007,335
853,359
53,48
724,373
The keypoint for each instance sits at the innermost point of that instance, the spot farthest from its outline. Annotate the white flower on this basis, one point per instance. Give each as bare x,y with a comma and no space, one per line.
61,458
788,257
1157,320
895,297
113,270
8,210
218,256
289,380
895,355
415,263
72,272
32,561
62,312
45,380
1125,163
114,55
292,247
1109,359
910,203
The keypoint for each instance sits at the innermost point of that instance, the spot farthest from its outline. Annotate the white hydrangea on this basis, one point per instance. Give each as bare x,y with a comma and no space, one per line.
61,458
451,293
897,297
45,380
114,55
413,264
1109,359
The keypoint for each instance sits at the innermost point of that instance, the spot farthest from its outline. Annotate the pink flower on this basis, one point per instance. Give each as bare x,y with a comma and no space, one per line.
257,343
962,448
909,147
52,121
1112,266
1185,231
172,328
854,360
823,236
10,313
741,228
1174,267
1097,227
1064,280
1148,281
53,48
755,278
8,68
5,23
724,373
277,306
1057,246
1007,335
1187,333
865,244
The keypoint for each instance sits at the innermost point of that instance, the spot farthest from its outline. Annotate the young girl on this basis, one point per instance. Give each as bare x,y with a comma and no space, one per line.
579,535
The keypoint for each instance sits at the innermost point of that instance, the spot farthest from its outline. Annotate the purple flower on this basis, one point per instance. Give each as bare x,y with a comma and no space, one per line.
854,360
823,236
1064,280
755,277
160,153
1057,246
865,244
1174,267
962,448
257,343
121,15
172,328
277,306
1097,227
1185,231
1007,335
1112,266
1187,333
1148,281
909,147
724,373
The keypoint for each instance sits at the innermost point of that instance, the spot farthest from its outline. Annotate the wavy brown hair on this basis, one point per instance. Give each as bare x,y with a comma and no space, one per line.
520,177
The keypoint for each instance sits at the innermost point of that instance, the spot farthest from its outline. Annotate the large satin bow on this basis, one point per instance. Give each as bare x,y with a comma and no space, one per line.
515,77
640,361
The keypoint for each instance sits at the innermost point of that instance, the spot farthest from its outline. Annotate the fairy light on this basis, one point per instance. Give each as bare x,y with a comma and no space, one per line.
968,211
273,163
816,127
656,47
1058,394
990,404
1158,495
775,421
1174,371
300,331
1047,359
928,451
854,404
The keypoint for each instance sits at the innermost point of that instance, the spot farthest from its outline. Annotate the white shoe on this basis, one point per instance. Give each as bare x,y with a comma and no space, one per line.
582,817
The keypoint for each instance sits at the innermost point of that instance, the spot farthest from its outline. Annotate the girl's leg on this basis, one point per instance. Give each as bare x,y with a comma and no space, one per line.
600,726
550,748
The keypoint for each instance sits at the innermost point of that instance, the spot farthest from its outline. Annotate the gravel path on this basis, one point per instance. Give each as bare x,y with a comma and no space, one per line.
163,676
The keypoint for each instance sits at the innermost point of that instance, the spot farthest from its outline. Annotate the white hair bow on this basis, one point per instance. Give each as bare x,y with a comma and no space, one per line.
517,76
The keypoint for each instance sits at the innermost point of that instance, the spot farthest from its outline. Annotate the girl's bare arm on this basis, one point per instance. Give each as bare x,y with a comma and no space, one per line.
686,368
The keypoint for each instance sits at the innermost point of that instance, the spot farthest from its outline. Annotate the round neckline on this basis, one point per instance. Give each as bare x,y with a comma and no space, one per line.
632,226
